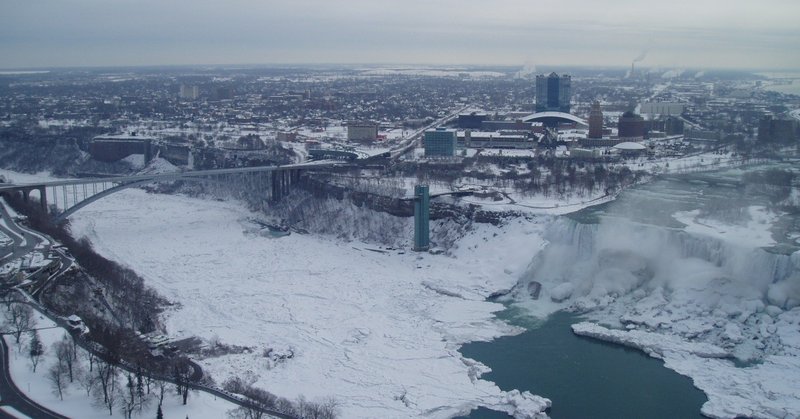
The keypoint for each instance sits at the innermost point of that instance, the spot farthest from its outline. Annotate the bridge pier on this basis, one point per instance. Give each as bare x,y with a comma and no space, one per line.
271,186
281,182
26,195
43,198
284,184
276,187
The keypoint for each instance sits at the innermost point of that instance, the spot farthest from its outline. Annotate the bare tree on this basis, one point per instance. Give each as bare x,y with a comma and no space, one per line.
181,372
55,375
90,358
35,349
8,298
307,409
128,396
88,381
328,409
107,388
20,319
161,386
285,406
66,354
258,401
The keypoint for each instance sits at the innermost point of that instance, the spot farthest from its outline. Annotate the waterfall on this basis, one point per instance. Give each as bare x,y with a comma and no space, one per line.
618,256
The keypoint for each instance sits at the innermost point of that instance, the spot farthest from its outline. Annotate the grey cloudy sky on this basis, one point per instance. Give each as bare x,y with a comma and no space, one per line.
679,33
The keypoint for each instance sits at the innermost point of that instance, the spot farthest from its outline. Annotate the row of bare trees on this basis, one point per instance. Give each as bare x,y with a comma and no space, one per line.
142,304
108,385
259,400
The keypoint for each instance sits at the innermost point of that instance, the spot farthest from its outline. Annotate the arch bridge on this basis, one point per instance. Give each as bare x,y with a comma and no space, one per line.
69,196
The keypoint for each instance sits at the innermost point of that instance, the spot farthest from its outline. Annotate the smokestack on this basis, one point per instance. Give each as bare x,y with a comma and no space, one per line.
632,68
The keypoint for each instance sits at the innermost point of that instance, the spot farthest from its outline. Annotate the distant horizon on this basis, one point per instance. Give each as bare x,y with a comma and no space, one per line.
390,65
708,34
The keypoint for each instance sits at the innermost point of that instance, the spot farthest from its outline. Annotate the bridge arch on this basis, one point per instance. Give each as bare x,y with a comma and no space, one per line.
61,216
100,195
278,182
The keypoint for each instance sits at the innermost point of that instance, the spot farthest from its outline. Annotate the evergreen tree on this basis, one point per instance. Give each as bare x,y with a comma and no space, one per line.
36,349
140,396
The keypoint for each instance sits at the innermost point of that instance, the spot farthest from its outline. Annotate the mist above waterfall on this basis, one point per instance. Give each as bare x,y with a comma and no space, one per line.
687,269
617,257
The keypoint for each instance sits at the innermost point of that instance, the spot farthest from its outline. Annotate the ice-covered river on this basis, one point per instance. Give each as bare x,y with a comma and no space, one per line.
676,268
693,260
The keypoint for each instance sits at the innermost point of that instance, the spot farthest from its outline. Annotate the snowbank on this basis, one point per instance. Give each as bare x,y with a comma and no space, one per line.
752,231
159,166
653,344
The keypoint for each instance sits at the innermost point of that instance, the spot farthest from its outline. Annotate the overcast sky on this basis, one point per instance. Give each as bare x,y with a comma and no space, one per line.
676,33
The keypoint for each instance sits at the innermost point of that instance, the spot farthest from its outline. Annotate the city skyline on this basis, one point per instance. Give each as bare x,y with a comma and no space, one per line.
707,34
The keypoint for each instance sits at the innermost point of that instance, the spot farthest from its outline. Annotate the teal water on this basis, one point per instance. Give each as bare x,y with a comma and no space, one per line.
584,378
722,195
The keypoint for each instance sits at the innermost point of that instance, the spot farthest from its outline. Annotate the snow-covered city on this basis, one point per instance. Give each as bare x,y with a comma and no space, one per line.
366,239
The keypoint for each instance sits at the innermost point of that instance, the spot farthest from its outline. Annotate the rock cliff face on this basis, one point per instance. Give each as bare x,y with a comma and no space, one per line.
401,207
37,154
60,155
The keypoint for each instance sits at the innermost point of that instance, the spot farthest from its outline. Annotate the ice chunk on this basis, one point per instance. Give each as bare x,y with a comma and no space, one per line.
561,292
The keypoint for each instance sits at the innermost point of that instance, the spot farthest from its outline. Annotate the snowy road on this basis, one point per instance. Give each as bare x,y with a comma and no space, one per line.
11,395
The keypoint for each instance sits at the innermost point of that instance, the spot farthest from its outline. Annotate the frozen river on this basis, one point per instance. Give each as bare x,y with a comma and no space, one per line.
694,260
699,272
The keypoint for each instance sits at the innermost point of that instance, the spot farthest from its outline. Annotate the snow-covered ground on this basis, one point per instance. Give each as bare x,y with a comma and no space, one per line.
378,331
76,404
16,177
754,232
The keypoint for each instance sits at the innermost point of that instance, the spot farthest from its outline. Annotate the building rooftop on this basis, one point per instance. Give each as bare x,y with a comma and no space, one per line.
630,146
554,114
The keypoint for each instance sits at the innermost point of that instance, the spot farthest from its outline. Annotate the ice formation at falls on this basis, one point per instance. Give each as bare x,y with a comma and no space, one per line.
616,257
667,292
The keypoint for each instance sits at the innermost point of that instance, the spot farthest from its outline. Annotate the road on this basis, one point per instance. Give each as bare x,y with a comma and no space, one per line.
413,139
12,396
23,242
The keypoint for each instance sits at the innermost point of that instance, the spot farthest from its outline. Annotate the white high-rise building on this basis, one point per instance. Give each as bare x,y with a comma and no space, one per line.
189,92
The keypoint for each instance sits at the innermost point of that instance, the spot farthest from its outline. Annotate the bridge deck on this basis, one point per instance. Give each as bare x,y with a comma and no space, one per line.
171,176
